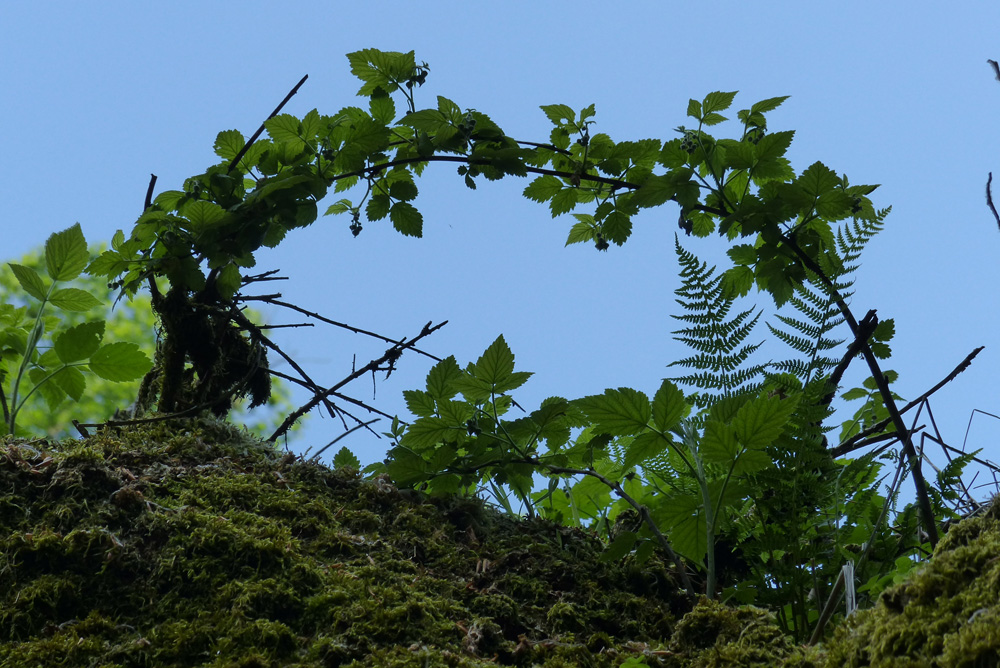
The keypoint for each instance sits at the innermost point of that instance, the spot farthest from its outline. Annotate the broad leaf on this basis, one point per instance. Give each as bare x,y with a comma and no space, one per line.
120,362
29,279
66,254
79,342
621,412
74,299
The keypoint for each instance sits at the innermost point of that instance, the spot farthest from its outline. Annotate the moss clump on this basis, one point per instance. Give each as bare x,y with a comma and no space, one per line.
946,614
192,544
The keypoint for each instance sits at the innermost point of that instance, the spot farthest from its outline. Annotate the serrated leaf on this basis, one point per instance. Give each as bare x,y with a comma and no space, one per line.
202,213
120,362
543,188
669,406
767,105
283,127
657,189
742,254
713,119
50,391
441,379
229,143
694,109
617,227
346,459
73,299
66,254
403,191
760,421
340,206
428,432
228,281
718,443
496,364
580,233
684,518
406,219
382,107
71,381
644,447
717,102
559,114
29,279
772,146
79,342
737,281
563,201
378,207
621,412
818,179
419,403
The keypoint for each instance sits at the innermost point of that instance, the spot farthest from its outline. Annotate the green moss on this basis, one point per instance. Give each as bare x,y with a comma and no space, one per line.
193,544
945,614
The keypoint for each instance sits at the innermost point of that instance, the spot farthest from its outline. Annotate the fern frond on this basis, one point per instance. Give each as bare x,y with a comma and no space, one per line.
718,339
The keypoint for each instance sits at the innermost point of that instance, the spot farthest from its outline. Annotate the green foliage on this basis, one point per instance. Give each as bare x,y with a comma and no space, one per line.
735,480
58,373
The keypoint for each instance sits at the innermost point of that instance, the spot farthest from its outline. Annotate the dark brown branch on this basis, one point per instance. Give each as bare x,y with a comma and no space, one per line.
268,299
920,485
390,355
246,147
865,329
345,434
857,441
149,192
989,199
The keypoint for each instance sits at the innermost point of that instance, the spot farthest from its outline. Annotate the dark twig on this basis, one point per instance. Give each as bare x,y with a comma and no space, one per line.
989,199
389,355
246,147
920,485
357,330
858,441
149,191
345,434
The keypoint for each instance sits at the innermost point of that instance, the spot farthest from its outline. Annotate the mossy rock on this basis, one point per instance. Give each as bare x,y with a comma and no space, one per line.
946,614
193,544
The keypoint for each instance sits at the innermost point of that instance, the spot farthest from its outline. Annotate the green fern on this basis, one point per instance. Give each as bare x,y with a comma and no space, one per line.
814,301
719,340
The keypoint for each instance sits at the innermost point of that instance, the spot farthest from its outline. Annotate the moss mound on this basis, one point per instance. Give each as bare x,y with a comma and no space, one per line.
192,544
946,614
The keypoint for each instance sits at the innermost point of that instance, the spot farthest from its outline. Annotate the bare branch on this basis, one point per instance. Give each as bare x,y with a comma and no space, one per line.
246,147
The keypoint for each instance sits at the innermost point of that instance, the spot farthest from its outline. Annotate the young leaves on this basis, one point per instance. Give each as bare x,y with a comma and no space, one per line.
56,374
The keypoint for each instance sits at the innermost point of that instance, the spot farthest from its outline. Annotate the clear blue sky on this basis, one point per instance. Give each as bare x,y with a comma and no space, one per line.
93,101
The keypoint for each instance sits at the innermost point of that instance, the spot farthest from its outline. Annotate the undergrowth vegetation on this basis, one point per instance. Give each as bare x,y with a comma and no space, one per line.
731,474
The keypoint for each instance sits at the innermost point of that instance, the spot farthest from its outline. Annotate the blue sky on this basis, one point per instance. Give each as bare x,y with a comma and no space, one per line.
898,94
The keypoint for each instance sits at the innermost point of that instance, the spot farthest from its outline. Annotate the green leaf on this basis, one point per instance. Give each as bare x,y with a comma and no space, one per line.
229,143
619,547
581,232
643,448
694,109
120,362
79,342
29,279
713,119
228,281
621,412
760,421
74,299
283,127
340,206
717,102
773,145
669,406
770,104
718,443
378,207
419,403
564,201
202,213
50,391
403,191
657,189
543,188
684,517
441,379
429,431
743,254
346,459
385,69
559,114
406,219
818,179
382,107
66,254
617,227
496,364
71,381
737,281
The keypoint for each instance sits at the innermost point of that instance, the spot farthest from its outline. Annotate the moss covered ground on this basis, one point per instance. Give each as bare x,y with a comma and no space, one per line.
193,544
